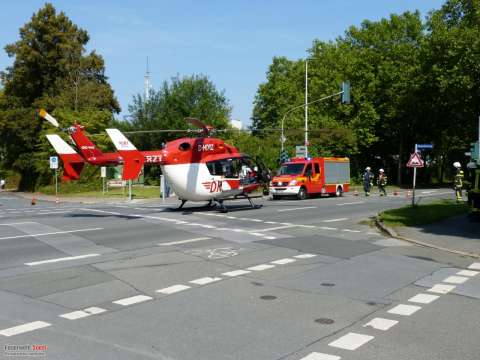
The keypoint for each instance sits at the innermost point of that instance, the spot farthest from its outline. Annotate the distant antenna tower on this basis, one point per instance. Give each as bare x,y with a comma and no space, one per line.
147,84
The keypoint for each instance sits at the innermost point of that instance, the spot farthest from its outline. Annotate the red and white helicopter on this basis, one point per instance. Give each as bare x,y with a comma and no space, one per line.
198,169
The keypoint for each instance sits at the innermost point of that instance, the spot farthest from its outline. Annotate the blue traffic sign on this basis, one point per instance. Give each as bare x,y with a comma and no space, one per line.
424,146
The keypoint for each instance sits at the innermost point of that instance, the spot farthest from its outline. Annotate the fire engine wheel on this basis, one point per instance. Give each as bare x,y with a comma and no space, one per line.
302,194
276,197
339,192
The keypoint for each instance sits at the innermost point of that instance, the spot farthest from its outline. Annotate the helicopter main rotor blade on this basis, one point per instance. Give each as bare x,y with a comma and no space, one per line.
43,114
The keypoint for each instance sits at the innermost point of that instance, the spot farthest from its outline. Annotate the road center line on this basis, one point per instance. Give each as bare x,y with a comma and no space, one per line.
299,208
19,223
351,203
61,259
184,241
334,220
132,300
50,233
277,228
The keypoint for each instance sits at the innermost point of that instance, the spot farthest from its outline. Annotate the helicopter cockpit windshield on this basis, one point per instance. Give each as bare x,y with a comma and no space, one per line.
242,168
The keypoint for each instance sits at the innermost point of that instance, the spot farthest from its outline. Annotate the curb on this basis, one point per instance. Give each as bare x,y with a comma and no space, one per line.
392,233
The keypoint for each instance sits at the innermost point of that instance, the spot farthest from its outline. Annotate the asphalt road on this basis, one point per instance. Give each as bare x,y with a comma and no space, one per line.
292,280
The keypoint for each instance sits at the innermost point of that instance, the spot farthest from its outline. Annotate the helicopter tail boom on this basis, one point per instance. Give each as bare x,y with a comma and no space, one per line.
72,162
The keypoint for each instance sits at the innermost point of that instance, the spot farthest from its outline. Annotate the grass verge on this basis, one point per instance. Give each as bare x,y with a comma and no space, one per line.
77,190
423,214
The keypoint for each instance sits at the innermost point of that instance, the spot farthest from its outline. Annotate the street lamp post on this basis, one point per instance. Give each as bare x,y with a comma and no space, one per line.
306,107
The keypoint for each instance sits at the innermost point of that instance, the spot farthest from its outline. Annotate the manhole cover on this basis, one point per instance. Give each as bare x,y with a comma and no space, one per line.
324,321
327,284
268,297
257,283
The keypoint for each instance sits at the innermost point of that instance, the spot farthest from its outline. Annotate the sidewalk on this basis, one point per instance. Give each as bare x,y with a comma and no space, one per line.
459,233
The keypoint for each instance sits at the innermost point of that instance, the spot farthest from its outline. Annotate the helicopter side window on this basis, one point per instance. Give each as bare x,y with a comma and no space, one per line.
227,168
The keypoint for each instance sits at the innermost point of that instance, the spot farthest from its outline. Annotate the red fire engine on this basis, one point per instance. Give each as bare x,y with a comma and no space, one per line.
302,177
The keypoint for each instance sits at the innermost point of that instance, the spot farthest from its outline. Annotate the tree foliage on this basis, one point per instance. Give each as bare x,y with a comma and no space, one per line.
51,69
412,81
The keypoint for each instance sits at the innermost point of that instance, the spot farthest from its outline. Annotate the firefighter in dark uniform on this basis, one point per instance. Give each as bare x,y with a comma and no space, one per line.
382,182
458,181
367,180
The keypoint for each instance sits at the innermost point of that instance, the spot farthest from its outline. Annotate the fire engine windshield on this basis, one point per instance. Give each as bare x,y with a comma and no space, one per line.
291,169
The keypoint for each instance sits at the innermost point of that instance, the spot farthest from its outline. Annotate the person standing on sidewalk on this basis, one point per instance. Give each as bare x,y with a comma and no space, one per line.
382,182
458,181
367,180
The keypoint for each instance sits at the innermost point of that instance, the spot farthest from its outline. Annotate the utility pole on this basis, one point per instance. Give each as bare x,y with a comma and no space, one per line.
306,107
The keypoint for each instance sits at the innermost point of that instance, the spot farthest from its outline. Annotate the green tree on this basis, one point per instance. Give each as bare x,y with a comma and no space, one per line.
51,69
166,109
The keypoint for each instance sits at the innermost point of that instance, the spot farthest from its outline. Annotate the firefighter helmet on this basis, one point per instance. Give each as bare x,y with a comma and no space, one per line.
457,165
381,170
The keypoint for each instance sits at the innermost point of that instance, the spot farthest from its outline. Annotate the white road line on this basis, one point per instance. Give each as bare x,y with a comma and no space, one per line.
51,233
307,226
441,288
184,241
102,211
132,300
75,315
381,324
54,212
255,234
283,261
94,310
468,273
299,208
19,223
351,203
277,228
205,280
236,273
271,222
455,279
305,256
351,231
20,329
423,298
351,341
327,228
334,220
405,310
60,259
173,289
261,267
270,237
320,356
474,266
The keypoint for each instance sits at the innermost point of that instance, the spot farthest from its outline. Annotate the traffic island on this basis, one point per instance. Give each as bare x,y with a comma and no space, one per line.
443,225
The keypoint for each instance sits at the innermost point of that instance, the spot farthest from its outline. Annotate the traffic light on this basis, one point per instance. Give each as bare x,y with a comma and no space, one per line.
284,156
346,92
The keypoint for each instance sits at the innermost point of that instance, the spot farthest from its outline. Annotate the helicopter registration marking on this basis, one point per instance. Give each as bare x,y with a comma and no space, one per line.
153,158
206,147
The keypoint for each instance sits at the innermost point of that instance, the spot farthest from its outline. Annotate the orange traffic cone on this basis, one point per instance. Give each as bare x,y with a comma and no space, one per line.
34,201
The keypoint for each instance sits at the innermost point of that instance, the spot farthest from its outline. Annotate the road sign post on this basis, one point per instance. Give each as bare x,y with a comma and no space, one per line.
415,161
103,174
54,166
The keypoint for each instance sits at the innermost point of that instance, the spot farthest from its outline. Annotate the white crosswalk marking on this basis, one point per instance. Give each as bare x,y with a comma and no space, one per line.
423,298
405,310
20,329
381,324
320,356
455,279
133,300
441,288
351,341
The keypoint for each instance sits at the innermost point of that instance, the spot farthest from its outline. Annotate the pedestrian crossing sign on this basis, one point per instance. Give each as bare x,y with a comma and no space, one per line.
415,161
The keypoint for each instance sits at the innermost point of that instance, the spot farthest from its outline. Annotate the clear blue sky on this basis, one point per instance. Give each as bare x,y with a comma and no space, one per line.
231,41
